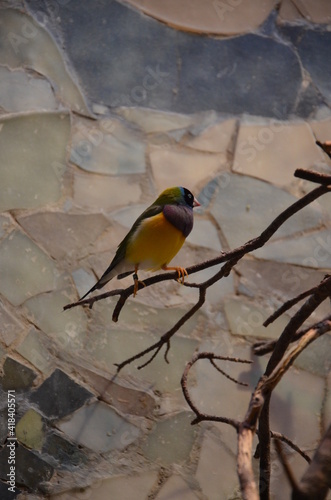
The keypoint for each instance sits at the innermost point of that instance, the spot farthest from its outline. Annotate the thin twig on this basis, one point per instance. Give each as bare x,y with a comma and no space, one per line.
280,437
287,305
311,176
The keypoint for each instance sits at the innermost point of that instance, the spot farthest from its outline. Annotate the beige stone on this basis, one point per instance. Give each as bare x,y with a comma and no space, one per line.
216,470
293,398
152,120
215,139
210,16
20,91
123,486
316,11
11,327
71,236
179,168
246,319
176,487
38,142
322,130
25,269
104,193
36,349
107,147
205,235
272,150
288,11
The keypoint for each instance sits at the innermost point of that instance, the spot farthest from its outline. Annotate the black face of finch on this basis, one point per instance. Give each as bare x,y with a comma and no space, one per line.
189,198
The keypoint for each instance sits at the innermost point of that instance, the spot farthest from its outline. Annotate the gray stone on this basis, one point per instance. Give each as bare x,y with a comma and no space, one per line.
31,470
184,73
171,440
71,236
312,250
35,348
237,76
107,147
100,428
26,269
16,376
67,329
115,62
316,357
64,453
5,494
59,395
42,139
245,206
313,48
11,327
125,399
21,91
26,43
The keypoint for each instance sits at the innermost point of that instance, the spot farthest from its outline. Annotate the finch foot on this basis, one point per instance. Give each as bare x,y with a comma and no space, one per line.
181,271
136,284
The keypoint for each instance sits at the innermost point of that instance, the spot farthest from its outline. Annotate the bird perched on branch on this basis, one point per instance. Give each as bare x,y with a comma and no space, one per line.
154,239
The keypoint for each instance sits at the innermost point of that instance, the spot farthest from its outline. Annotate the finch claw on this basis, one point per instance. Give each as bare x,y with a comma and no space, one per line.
136,284
181,272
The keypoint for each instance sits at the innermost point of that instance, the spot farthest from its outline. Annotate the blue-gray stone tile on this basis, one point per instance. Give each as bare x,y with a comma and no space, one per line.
313,46
59,395
243,74
114,62
62,452
183,72
31,470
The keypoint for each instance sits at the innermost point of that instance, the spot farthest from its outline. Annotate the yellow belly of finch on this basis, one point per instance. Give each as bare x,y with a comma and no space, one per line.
155,244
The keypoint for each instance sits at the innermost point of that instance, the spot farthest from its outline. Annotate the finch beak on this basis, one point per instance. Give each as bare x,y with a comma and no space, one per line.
196,203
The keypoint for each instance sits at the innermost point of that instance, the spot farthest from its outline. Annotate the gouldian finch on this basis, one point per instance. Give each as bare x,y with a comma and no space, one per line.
154,239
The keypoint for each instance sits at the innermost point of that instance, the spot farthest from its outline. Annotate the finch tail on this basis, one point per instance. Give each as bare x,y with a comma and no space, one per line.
107,276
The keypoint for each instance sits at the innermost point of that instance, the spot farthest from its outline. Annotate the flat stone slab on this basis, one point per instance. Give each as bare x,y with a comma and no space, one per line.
43,139
16,375
100,428
59,395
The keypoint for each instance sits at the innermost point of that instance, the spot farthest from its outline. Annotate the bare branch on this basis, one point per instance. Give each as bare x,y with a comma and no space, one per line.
211,357
280,437
311,176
